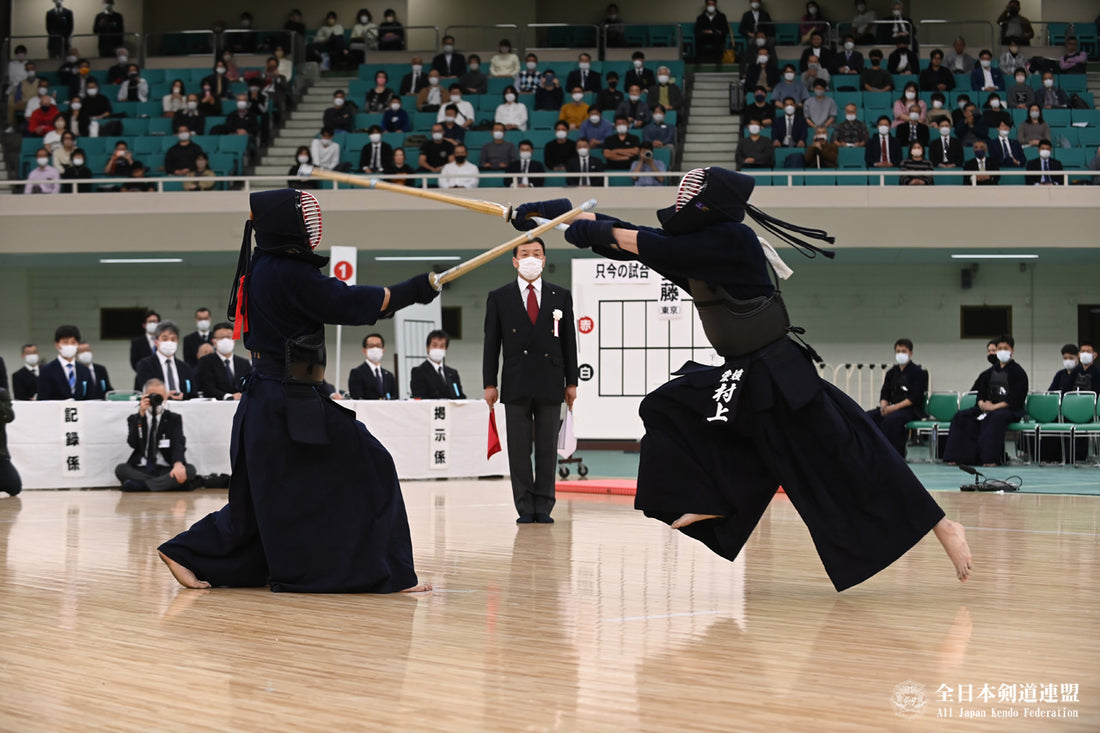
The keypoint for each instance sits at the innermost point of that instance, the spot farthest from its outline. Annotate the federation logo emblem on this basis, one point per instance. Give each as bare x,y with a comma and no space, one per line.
909,699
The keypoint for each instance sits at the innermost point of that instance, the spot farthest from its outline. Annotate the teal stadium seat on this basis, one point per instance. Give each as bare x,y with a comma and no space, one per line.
133,127
154,125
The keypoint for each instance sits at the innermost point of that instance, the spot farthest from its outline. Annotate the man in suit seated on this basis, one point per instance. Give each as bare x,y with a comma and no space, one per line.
530,321
526,164
164,365
145,344
945,151
985,78
880,140
789,131
369,380
980,163
201,335
24,381
1046,164
1005,149
415,80
583,76
99,372
158,462
432,380
582,165
913,131
220,374
376,156
64,378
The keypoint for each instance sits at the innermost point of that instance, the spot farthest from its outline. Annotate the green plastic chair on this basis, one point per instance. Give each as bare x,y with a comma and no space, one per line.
1078,419
940,407
1040,408
968,400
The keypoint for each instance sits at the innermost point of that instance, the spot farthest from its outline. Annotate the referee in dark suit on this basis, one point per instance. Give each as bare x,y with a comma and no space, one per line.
531,320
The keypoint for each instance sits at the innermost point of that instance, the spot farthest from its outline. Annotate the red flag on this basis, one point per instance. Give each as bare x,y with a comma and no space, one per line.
494,436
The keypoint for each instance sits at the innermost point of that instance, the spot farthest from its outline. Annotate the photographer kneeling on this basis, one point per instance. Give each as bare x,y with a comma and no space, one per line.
156,435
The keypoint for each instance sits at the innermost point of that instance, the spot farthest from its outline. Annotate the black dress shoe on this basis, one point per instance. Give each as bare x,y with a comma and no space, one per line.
526,519
542,518
134,485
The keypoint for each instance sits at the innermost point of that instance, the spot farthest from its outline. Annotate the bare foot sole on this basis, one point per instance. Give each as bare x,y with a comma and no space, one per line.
688,519
419,588
185,577
953,538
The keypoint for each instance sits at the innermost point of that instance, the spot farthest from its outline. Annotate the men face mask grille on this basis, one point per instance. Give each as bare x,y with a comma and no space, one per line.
311,216
691,186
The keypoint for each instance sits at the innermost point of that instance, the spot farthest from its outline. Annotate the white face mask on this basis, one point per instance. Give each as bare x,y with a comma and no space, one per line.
584,65
437,136
849,46
883,129
123,59
449,119
561,134
910,95
78,162
577,96
1034,114
761,42
192,106
525,155
31,360
448,48
1069,363
986,63
1087,357
582,152
662,79
437,355
184,136
762,59
509,97
224,346
395,106
914,116
70,59
916,154
789,109
375,137
219,70
531,65
243,104
945,132
362,20
1021,79
621,129
634,97
203,325
374,355
1048,83
594,119
711,10
658,118
937,104
498,135
151,327
851,118
417,68
1003,355
456,98
994,104
84,357
433,81
168,348
67,351
637,63
789,76
1003,133
303,159
42,162
530,268
338,102
754,129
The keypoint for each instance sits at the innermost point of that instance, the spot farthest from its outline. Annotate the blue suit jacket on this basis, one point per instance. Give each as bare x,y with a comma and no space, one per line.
996,152
977,78
53,383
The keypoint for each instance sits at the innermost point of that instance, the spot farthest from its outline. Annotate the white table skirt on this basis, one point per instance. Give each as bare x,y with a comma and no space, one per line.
53,453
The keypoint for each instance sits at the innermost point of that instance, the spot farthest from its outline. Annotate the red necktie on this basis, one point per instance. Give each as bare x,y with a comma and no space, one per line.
532,304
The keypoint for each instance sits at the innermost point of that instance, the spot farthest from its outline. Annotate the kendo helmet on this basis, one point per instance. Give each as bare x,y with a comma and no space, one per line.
286,220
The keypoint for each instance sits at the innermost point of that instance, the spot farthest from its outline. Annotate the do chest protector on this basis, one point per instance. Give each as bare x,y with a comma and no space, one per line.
738,327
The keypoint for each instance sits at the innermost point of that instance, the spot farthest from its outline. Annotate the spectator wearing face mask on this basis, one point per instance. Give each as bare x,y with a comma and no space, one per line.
848,61
1020,95
52,141
938,111
400,168
815,72
665,92
221,374
1007,152
913,131
376,156
67,71
41,119
24,381
659,133
622,148
1073,61
465,115
134,88
459,172
985,78
110,26
59,28
936,78
764,73
595,129
240,121
175,100
549,95
634,108
65,378
395,118
145,344
815,47
1014,59
511,113
80,80
1034,128
474,81
77,169
415,80
370,380
970,126
431,97
994,112
209,105
789,87
754,150
498,153
647,169
1086,375
981,163
189,116
638,73
850,132
901,398
1051,96
759,108
1063,378
85,356
907,99
821,153
379,97
789,128
945,151
341,115
1015,28
559,151
121,162
325,152
203,174
17,68
575,112
20,93
218,82
391,34
435,152
584,166
364,37
328,43
116,74
505,63
977,434
158,461
433,380
529,76
302,157
882,149
449,63
916,161
900,26
583,76
180,158
452,131
42,178
1045,165
863,23
820,110
875,78
754,20
611,95
903,59
163,365
523,167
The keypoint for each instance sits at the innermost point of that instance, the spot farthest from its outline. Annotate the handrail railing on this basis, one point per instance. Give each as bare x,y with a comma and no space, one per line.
516,39
785,177
675,34
265,40
191,43
845,27
415,40
561,36
956,28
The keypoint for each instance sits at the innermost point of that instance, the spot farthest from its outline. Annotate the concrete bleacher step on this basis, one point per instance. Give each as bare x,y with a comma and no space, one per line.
302,125
711,134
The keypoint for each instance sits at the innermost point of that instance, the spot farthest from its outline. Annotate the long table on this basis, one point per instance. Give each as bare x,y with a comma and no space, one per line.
71,445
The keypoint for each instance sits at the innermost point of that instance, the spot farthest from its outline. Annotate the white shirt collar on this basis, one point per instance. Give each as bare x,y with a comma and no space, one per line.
66,362
165,359
523,286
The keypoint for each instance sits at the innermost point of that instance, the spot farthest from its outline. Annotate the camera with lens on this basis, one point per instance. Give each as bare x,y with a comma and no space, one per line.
155,399
647,153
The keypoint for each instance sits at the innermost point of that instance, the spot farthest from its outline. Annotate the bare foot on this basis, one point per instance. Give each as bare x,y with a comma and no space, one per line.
687,519
418,588
953,538
185,577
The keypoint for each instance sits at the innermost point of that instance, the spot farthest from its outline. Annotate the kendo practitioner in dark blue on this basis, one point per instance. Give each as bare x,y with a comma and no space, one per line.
977,434
314,502
902,396
719,441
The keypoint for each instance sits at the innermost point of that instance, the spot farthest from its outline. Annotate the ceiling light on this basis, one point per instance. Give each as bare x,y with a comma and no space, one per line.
141,261
994,257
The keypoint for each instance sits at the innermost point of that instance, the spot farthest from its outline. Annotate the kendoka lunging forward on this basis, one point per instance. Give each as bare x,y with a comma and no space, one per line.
314,503
719,441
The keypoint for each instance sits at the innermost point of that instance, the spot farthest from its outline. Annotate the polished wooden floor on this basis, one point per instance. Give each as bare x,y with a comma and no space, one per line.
604,621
